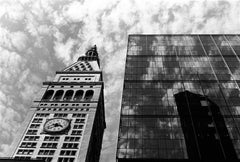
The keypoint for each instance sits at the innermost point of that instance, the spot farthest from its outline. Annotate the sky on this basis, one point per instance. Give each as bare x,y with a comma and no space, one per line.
39,37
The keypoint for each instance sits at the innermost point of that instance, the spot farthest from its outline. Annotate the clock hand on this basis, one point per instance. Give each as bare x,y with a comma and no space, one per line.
50,126
53,125
58,124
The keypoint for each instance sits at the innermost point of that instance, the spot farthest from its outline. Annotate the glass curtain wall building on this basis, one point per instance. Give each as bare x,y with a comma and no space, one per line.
181,99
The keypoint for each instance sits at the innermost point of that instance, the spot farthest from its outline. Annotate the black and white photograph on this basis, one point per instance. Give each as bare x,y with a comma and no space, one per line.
120,80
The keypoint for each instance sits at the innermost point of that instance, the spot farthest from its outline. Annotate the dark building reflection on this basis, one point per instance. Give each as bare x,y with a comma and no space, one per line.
162,68
204,128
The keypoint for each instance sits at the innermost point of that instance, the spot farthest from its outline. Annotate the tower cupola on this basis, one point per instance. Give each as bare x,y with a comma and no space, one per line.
92,52
90,55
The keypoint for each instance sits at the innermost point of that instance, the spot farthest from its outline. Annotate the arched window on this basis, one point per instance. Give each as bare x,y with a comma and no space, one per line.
88,95
58,95
48,95
78,95
68,95
91,53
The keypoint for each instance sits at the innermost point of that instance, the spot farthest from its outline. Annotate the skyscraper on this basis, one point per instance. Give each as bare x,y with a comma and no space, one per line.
66,120
181,99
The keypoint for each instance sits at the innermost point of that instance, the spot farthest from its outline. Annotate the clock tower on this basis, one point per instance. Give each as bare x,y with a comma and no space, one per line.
66,120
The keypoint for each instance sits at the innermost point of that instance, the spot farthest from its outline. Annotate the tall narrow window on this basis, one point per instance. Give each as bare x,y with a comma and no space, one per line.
88,95
78,95
48,95
58,95
68,95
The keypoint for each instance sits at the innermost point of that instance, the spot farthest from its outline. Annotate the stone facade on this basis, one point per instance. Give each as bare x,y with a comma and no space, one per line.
61,123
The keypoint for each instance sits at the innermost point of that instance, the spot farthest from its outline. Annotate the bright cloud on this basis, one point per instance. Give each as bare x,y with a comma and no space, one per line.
12,10
75,11
10,63
64,50
19,40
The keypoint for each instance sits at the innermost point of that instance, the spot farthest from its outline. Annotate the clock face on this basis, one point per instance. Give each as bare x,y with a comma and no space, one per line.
56,125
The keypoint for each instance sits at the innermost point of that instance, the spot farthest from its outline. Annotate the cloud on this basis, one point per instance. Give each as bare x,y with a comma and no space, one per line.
64,50
9,119
4,150
116,61
44,29
5,40
109,147
19,40
44,65
10,63
59,36
75,11
11,40
12,10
